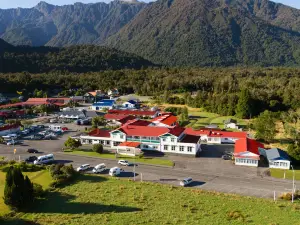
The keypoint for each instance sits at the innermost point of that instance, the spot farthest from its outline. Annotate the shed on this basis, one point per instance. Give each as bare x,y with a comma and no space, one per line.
278,158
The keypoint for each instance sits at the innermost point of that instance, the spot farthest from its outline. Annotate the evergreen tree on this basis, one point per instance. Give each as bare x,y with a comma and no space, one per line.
28,190
265,126
244,105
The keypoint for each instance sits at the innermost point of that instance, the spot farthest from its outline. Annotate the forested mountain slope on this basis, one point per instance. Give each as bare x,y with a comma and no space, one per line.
209,33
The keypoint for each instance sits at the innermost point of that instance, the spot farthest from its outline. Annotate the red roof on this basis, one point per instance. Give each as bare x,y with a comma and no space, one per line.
132,130
115,116
177,131
132,112
167,119
99,133
130,144
216,133
8,127
247,145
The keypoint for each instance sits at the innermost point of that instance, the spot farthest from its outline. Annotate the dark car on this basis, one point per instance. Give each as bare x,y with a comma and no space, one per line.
30,159
31,150
226,157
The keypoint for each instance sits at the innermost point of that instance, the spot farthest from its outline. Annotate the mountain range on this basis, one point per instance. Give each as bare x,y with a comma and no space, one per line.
167,32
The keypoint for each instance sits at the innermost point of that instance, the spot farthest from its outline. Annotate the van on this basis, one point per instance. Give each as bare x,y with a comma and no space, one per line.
55,128
44,159
115,171
99,168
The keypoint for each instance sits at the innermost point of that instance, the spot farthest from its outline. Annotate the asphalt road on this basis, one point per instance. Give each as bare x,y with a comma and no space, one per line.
208,173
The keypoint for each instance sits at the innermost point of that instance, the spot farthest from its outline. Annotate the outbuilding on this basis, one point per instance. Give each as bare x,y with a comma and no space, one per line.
278,158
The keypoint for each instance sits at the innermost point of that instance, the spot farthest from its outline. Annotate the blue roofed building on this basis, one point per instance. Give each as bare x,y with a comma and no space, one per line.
277,158
104,104
131,104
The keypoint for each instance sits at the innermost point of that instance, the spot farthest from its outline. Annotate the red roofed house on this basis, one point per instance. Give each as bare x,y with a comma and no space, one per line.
97,136
144,137
166,120
217,136
118,119
9,129
129,148
246,152
138,113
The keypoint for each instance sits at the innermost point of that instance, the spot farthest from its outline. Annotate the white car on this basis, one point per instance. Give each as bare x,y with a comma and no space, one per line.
124,163
99,168
83,167
115,171
186,181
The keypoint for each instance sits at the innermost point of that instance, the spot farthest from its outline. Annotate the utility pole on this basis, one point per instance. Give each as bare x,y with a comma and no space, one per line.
293,189
134,166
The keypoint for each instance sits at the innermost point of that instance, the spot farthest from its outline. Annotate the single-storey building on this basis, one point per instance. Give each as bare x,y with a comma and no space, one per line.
277,158
137,113
97,136
131,104
104,104
246,152
217,136
118,119
9,129
165,120
129,148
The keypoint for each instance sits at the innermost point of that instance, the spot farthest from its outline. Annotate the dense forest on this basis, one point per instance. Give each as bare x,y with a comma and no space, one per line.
217,90
81,59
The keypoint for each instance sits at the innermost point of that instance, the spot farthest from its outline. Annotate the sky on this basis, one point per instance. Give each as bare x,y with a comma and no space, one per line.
4,4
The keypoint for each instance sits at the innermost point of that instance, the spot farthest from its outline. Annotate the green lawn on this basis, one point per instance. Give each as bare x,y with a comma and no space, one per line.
147,160
103,200
201,118
278,173
41,177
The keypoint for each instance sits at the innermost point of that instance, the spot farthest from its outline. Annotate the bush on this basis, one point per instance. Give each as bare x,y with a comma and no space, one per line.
61,174
288,195
38,191
24,167
98,148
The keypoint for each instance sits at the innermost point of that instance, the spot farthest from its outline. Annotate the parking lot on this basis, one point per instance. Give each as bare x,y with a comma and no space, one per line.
208,171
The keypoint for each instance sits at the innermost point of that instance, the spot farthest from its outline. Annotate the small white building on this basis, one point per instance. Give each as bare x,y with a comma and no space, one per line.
277,158
231,126
131,104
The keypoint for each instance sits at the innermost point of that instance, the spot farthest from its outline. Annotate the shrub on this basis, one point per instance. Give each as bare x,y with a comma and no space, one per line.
38,191
61,174
98,148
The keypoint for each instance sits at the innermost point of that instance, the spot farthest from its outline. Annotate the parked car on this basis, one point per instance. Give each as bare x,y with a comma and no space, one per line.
32,150
186,181
30,159
13,142
83,167
115,171
124,163
64,129
99,168
226,157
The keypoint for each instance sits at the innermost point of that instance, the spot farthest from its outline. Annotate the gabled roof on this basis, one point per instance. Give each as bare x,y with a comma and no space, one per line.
133,130
133,112
132,102
190,139
130,144
166,119
216,133
247,145
177,131
115,116
8,127
277,154
105,102
99,133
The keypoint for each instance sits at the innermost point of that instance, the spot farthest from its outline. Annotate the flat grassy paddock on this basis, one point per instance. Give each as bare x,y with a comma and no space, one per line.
278,173
148,160
41,177
103,200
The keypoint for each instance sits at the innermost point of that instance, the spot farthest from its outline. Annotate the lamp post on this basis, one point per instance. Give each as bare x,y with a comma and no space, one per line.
293,189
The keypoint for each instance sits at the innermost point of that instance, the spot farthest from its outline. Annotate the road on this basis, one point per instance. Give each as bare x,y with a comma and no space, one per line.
213,174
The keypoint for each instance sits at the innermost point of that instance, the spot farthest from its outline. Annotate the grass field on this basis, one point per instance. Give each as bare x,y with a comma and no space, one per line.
41,177
278,173
101,200
147,160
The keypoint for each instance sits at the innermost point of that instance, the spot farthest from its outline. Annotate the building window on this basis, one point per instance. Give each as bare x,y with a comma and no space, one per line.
190,149
164,139
121,136
173,148
181,148
166,147
209,139
172,139
107,142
